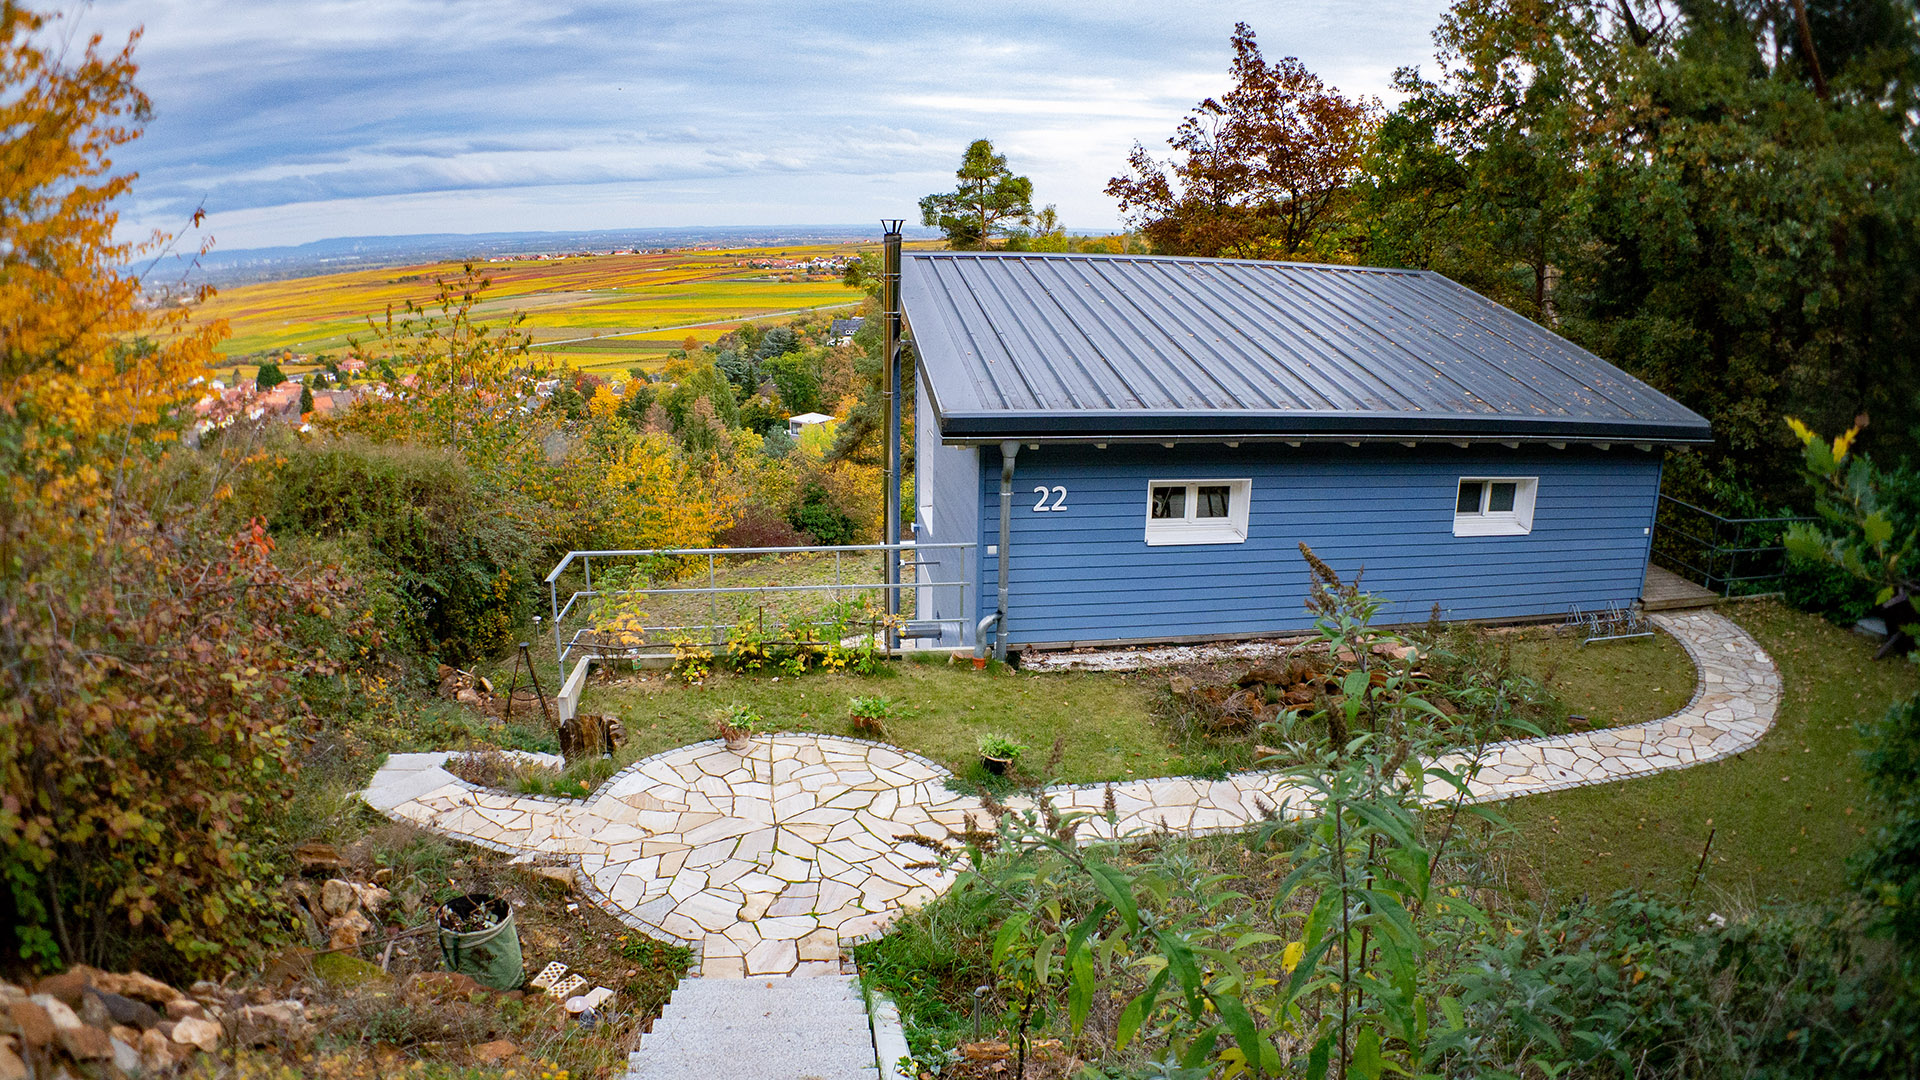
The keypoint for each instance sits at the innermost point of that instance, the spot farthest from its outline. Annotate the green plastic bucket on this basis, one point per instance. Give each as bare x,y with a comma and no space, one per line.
478,938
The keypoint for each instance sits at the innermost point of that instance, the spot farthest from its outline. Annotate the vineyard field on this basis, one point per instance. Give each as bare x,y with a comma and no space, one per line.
593,311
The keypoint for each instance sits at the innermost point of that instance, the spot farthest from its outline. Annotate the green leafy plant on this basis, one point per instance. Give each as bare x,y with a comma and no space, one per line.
747,647
1867,530
871,715
1872,534
644,950
738,722
994,745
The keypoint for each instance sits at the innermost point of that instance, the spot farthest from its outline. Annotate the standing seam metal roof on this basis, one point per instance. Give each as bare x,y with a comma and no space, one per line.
1016,345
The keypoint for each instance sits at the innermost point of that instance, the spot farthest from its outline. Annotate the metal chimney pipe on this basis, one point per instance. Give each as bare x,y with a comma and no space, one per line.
890,297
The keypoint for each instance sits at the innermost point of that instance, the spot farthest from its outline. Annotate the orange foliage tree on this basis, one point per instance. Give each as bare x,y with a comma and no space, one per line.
150,651
1262,170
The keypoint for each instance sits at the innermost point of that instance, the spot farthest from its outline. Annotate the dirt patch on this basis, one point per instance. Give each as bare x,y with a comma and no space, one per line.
392,994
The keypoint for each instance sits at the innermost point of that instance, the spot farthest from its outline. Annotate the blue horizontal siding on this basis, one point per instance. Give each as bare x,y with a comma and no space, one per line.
1087,574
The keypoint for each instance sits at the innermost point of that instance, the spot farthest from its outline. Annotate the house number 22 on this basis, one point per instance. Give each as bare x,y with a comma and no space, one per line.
1057,493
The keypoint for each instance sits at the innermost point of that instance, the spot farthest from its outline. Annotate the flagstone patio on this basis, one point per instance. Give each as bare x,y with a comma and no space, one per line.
769,861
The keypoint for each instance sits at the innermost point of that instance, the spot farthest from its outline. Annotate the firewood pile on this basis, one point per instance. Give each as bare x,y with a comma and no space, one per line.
1260,693
477,692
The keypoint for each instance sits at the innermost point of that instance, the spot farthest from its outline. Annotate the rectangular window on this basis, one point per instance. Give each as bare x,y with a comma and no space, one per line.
1197,511
1494,505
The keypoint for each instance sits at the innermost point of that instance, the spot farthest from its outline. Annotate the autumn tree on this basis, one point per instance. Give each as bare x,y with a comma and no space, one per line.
464,382
1047,232
151,648
1263,171
989,200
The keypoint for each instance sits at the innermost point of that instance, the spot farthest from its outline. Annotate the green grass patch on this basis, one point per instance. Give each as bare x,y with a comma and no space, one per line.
945,708
1610,682
1108,720
1788,812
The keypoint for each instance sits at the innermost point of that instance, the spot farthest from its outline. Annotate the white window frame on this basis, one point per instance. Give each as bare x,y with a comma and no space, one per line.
1516,522
1231,529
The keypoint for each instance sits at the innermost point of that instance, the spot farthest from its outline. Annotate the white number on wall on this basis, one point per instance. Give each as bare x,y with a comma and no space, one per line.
1057,493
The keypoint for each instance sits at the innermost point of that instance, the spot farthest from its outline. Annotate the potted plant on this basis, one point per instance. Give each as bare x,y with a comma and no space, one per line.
737,725
998,753
870,716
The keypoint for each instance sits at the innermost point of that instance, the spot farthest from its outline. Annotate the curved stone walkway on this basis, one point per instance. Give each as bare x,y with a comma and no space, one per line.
768,861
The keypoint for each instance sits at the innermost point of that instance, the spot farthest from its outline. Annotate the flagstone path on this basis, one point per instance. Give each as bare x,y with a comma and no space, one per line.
770,860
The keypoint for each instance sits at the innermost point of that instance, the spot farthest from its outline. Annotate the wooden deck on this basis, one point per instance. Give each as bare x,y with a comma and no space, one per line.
1665,590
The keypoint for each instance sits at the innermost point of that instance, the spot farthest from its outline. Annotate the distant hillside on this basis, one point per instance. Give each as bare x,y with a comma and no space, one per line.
369,252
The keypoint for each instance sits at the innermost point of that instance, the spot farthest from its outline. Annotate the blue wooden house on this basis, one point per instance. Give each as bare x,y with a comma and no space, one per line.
1138,446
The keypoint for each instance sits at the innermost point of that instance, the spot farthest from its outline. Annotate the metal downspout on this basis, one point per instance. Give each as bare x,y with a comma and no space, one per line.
1008,451
890,296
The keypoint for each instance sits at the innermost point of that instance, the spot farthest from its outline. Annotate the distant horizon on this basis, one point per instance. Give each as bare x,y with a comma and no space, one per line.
848,230
228,266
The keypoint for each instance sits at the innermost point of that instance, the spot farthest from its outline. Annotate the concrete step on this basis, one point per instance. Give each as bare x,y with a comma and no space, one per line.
809,1028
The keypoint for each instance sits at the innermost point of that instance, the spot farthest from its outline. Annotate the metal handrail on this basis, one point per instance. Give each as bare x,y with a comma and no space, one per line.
907,553
1721,552
908,545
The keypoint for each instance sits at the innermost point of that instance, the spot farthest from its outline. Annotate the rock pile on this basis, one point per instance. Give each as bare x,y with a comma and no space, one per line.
342,912
100,1023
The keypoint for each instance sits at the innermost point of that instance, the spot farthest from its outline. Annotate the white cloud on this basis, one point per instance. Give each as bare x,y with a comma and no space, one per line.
295,122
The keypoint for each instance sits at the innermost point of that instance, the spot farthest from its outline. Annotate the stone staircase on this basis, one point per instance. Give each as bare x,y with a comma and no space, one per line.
791,1028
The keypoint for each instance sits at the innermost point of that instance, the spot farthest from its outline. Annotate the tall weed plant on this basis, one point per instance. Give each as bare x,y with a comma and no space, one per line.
1340,971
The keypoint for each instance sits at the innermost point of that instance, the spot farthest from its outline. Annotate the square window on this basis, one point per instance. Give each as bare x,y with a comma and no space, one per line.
1197,511
1494,506
1213,501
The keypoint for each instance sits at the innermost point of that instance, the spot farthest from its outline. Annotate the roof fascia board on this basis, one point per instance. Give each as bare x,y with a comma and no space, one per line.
1295,425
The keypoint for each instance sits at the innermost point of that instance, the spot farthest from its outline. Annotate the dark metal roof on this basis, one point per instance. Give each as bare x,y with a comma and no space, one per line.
1018,345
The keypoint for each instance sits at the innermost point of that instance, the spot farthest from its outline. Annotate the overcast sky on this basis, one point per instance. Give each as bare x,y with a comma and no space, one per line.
323,118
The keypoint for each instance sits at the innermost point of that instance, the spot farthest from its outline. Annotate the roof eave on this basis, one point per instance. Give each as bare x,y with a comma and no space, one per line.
1306,427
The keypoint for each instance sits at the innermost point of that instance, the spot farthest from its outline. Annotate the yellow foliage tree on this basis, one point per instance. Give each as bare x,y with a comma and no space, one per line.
73,383
147,662
603,404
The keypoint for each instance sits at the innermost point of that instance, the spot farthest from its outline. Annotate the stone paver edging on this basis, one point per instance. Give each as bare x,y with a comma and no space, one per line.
768,861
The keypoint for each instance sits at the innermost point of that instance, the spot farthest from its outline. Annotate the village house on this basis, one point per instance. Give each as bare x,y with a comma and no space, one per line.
842,330
805,420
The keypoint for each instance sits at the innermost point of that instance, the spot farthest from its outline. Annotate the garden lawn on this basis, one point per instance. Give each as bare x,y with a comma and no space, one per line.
1610,682
1788,812
1106,718
1103,717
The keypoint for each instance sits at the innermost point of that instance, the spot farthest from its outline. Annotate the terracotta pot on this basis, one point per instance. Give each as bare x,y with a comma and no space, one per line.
740,745
998,766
